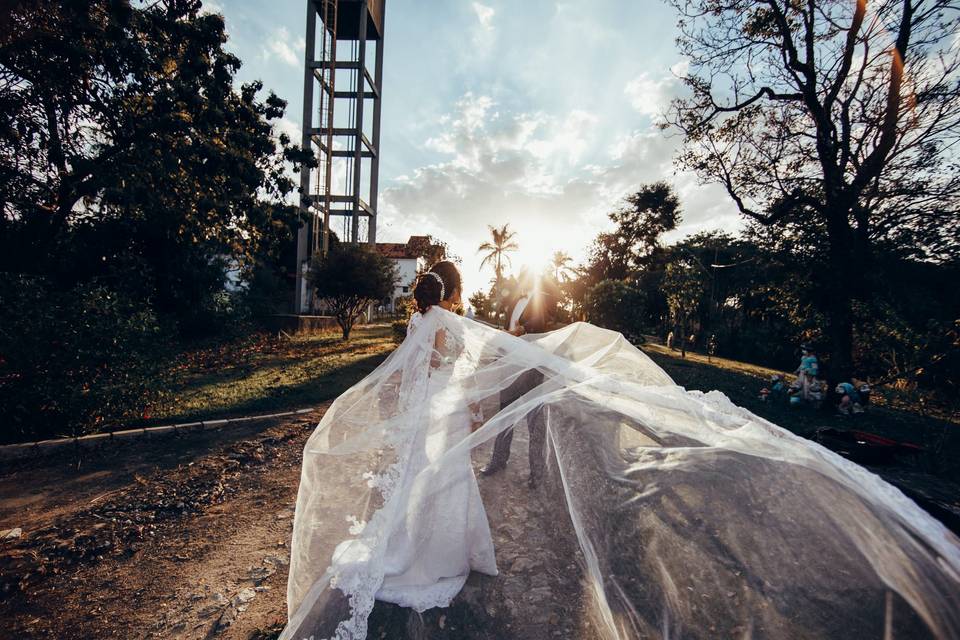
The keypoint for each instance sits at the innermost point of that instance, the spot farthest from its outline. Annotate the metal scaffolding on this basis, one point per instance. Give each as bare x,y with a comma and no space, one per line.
344,185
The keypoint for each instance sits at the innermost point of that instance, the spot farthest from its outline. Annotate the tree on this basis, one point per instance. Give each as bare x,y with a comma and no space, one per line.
683,285
838,116
608,259
348,279
500,244
575,292
480,303
642,218
560,263
138,154
431,250
616,305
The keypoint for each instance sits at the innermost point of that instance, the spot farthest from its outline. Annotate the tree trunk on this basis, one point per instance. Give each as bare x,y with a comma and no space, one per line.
842,270
683,336
346,325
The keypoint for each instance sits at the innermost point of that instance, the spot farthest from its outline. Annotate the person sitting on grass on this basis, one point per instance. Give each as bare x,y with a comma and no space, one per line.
795,393
776,390
863,389
850,401
816,391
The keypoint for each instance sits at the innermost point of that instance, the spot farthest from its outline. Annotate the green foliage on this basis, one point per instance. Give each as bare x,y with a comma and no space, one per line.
430,249
135,176
480,303
644,217
348,279
616,305
496,249
683,286
398,329
74,361
137,159
768,115
404,306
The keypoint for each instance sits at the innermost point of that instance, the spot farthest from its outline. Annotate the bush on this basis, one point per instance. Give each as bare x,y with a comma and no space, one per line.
399,330
75,361
348,279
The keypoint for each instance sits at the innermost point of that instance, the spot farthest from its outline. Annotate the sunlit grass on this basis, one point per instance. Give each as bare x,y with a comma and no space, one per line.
882,397
742,381
263,375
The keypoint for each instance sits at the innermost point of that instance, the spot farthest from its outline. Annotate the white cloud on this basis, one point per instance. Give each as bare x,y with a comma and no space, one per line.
651,96
484,15
211,6
289,127
495,166
681,69
570,139
483,34
281,45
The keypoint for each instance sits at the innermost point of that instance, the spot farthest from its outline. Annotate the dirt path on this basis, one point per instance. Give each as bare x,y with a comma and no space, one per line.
164,539
188,537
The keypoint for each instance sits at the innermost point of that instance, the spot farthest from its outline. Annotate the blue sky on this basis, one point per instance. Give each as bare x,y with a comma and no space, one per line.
534,112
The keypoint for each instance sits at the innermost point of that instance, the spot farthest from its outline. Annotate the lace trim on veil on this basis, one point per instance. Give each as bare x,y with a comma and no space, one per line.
357,566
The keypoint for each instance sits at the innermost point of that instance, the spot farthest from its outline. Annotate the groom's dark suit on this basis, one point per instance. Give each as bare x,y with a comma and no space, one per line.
534,320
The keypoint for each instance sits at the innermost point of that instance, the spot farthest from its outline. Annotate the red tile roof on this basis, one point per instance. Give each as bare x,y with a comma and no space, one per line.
402,250
396,250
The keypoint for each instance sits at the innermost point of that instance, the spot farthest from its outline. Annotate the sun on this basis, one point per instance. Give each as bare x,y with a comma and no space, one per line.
534,263
536,250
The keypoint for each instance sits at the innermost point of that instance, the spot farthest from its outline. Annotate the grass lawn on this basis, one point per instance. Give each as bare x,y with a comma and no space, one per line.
262,374
741,382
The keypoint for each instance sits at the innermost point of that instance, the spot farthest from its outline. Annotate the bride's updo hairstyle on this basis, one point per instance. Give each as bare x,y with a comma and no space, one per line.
436,285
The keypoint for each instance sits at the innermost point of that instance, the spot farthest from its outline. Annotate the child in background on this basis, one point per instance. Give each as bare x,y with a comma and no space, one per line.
863,389
795,393
776,390
808,370
816,390
849,399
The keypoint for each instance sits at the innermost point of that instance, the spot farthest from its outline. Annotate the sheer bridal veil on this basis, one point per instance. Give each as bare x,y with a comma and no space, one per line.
694,517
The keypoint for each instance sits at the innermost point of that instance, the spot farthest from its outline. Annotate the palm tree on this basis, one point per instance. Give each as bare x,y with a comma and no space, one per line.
561,266
501,241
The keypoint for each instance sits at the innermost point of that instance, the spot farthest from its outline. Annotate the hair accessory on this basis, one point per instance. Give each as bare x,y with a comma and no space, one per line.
440,280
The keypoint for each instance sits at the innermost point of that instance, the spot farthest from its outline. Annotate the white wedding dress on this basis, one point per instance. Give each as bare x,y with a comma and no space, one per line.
692,517
445,535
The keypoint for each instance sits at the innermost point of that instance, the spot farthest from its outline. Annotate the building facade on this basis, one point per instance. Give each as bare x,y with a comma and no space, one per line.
409,262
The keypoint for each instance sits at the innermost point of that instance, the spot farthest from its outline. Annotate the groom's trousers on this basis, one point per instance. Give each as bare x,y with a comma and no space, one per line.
535,425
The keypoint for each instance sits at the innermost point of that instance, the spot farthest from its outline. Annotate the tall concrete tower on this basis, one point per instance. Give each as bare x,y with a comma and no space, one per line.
341,123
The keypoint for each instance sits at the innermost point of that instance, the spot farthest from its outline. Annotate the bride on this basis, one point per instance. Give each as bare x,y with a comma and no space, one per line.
693,517
429,557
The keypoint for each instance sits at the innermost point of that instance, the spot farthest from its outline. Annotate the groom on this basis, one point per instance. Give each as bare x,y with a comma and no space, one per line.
533,312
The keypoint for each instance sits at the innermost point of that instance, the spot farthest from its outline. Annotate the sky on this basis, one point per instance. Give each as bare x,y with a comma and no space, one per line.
541,114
